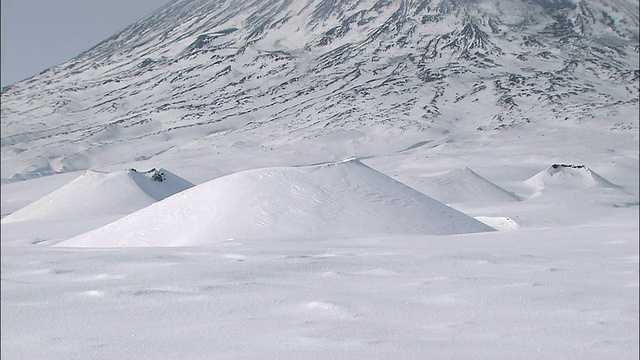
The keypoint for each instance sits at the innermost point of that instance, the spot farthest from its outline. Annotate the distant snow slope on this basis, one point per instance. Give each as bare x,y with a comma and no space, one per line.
461,186
97,193
338,199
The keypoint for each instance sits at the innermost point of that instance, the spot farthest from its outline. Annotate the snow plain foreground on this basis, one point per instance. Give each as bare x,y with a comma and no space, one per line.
558,280
566,293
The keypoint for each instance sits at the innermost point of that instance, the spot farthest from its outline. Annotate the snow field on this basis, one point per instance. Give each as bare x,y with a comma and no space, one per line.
558,293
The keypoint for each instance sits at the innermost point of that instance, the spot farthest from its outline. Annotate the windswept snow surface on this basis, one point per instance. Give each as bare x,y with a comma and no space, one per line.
499,222
555,293
290,262
338,199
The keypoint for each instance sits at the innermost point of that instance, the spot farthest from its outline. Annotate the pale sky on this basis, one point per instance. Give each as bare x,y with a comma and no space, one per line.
38,34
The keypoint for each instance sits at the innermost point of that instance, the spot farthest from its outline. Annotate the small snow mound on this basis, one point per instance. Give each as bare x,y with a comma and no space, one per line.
566,177
337,199
462,186
97,193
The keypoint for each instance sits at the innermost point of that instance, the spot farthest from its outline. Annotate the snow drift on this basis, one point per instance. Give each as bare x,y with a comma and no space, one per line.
97,193
338,199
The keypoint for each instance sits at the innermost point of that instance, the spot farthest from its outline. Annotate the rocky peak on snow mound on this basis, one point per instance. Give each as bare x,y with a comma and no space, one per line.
565,178
577,176
557,166
158,183
153,174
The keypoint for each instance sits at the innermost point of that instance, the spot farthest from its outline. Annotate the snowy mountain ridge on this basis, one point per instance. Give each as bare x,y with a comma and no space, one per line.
197,73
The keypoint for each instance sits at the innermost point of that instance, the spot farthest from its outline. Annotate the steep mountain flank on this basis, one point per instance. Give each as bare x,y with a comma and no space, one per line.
196,72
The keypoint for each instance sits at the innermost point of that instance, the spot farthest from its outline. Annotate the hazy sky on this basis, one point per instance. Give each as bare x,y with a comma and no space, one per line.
38,34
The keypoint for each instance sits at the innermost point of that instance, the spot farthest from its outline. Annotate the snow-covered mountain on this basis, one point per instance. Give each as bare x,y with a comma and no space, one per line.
199,74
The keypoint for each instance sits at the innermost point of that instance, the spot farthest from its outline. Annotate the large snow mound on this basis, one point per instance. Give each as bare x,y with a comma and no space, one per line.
97,193
338,199
462,186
